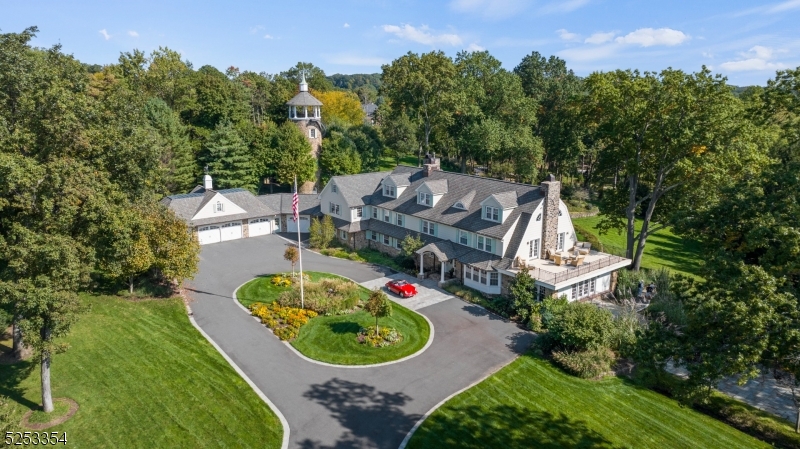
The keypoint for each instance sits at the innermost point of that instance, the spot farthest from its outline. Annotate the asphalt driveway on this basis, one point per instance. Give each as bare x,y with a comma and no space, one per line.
338,407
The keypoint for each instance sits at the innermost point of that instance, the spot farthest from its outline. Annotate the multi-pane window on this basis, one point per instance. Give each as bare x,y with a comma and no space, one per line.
428,228
533,249
561,238
494,278
467,272
359,212
334,208
399,220
541,293
333,188
385,239
463,237
583,288
483,277
389,191
344,235
374,212
386,216
374,236
220,207
485,244
491,213
312,133
424,198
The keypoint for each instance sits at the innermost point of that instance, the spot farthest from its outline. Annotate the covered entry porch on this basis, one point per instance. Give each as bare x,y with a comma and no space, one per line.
441,258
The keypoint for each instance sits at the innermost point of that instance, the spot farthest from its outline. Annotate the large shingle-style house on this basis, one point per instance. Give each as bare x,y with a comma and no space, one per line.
475,229
229,214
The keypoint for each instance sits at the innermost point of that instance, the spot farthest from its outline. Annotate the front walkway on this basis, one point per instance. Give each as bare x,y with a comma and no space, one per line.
329,407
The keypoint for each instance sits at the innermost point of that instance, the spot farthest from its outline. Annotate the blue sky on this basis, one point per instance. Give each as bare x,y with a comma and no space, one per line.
745,41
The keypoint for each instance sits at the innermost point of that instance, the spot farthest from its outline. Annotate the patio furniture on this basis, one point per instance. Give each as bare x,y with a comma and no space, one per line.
549,254
582,247
557,259
576,262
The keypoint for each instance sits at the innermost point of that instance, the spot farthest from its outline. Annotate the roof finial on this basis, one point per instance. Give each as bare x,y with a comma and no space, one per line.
303,83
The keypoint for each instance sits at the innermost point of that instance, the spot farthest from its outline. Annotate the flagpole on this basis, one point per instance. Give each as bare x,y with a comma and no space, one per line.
299,249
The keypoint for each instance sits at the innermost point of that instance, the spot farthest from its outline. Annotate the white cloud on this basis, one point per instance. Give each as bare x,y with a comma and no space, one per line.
708,55
755,59
105,34
256,29
493,9
475,47
647,37
346,25
355,60
422,35
132,33
267,36
563,6
600,38
567,36
784,6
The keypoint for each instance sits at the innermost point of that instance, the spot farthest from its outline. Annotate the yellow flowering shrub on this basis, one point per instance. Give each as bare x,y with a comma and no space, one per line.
285,322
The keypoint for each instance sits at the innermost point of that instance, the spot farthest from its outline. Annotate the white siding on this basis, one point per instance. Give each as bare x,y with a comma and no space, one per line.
565,225
327,197
534,231
477,285
210,209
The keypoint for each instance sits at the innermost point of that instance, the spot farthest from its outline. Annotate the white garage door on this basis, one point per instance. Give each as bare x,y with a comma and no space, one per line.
292,225
231,231
260,226
208,234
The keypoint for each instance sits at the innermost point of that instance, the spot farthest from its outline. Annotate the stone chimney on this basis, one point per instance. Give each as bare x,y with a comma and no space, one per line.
552,196
431,164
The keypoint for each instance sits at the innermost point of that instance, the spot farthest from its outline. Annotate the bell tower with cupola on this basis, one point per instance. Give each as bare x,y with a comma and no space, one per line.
306,112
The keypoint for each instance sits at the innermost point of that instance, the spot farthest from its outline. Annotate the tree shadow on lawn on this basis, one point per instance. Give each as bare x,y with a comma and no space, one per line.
372,418
505,426
11,376
346,327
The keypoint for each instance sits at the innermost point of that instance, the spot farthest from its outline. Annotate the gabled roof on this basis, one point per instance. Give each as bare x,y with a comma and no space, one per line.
398,180
357,189
436,186
186,205
460,188
303,99
466,200
506,200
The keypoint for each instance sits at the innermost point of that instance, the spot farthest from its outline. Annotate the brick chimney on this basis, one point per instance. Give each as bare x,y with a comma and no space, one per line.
551,189
431,164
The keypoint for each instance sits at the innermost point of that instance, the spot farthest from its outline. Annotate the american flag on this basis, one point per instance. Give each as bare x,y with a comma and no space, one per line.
295,203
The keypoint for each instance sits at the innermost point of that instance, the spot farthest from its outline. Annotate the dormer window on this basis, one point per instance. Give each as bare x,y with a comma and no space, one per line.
424,199
491,213
333,188
389,191
219,207
459,205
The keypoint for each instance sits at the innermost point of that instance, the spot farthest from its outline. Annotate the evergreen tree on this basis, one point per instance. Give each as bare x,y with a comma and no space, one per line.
293,156
228,160
182,173
338,157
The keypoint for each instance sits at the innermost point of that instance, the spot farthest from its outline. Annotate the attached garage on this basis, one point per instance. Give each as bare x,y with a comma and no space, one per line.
259,226
291,225
231,231
208,234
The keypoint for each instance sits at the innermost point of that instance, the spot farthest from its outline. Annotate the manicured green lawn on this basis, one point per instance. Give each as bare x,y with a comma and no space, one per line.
144,377
663,249
261,289
388,163
332,339
530,403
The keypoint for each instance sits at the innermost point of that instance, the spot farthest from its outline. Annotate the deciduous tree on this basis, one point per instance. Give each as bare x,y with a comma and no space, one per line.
379,306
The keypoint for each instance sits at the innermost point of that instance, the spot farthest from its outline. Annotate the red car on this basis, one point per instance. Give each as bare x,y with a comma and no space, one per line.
402,288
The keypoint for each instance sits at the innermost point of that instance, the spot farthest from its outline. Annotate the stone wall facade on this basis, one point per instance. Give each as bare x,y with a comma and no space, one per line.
245,229
505,284
552,195
359,240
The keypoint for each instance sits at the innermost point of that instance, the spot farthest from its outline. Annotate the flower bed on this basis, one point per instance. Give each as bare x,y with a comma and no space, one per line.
387,336
285,322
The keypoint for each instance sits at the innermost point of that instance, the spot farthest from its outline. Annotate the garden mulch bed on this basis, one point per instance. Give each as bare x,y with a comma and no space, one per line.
73,408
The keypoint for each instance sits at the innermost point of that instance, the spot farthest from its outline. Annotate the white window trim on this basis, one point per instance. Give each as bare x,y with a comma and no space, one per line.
359,212
312,133
562,237
533,249
464,234
425,199
219,207
374,212
489,213
399,219
333,188
431,227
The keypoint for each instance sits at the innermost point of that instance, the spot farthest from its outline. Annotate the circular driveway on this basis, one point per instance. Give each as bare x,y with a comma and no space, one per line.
329,407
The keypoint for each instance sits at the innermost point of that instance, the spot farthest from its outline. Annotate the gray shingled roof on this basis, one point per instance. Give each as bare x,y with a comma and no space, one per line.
186,205
357,189
369,108
399,180
436,186
304,99
397,231
519,233
466,200
309,203
506,200
460,185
